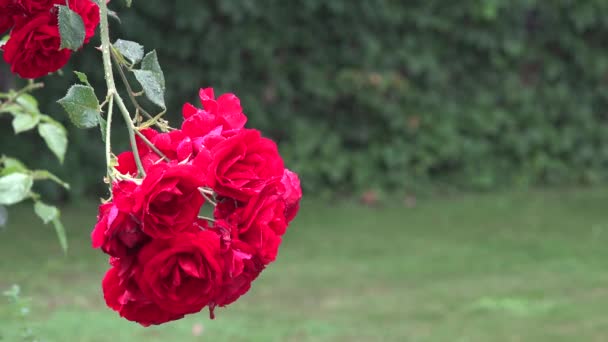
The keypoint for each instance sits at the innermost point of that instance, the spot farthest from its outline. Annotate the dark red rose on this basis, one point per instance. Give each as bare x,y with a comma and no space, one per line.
292,193
241,165
181,274
116,232
225,112
35,7
124,296
9,9
168,200
89,12
33,49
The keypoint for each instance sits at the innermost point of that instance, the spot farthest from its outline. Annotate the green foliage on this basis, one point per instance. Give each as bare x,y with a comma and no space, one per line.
152,79
132,51
71,28
15,187
16,179
395,94
82,106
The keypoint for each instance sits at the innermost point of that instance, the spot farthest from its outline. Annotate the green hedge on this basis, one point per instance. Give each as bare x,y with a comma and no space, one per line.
399,95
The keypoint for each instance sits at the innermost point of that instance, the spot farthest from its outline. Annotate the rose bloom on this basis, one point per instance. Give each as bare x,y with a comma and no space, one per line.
181,274
168,200
240,164
225,112
173,145
259,223
292,193
122,295
241,268
33,47
116,232
9,9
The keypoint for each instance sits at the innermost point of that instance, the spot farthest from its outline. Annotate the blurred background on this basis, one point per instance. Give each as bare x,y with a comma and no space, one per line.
453,156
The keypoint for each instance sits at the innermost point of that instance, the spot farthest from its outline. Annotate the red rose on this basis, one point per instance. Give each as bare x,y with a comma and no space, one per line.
33,49
181,274
89,12
116,233
260,223
168,200
241,268
225,112
123,296
173,145
292,194
9,9
241,165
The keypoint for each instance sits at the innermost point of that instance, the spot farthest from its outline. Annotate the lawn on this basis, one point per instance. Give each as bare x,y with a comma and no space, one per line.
519,266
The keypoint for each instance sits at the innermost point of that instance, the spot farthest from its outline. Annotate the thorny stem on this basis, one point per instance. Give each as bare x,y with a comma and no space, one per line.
109,76
108,133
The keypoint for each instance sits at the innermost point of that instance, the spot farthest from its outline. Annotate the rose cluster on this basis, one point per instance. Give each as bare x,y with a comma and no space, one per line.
167,259
33,49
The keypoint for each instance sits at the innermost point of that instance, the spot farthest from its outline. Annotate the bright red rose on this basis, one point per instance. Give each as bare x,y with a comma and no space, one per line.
168,200
241,165
259,223
123,296
174,145
241,268
292,194
181,274
126,163
33,49
225,112
116,232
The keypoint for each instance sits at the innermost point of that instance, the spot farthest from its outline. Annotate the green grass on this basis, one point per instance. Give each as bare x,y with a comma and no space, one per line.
529,266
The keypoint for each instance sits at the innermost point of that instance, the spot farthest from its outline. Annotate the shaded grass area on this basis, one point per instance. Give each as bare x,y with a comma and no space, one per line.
528,266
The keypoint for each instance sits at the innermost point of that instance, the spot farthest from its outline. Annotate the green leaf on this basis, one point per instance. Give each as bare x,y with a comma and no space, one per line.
82,106
47,213
13,109
82,77
132,51
29,103
12,162
15,187
60,230
55,137
25,122
150,62
3,216
152,80
71,29
128,2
